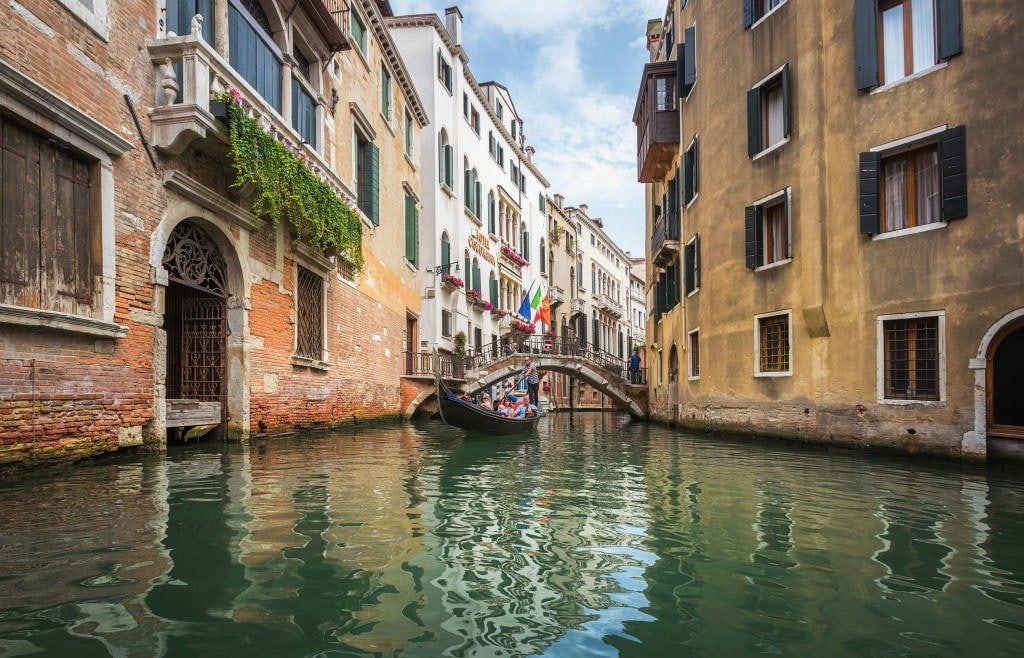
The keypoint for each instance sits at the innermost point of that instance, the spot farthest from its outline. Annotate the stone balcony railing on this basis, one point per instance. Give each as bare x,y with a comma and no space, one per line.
609,305
556,295
578,305
180,120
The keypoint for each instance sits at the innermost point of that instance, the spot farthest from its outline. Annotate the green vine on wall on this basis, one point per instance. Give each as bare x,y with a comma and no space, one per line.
286,188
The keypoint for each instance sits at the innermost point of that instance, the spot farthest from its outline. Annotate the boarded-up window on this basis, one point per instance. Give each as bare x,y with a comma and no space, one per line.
46,228
309,341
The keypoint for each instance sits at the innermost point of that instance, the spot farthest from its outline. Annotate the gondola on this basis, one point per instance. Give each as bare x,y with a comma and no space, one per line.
473,418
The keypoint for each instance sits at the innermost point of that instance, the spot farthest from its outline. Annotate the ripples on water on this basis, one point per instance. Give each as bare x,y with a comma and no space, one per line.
598,539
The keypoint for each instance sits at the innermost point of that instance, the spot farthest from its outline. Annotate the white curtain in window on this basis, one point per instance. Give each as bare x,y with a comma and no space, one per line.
892,43
896,194
923,17
776,119
928,199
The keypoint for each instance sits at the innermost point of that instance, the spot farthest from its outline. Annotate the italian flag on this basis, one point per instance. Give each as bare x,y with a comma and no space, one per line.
536,306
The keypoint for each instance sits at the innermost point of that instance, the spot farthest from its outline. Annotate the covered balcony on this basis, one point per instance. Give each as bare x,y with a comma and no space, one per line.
657,122
664,241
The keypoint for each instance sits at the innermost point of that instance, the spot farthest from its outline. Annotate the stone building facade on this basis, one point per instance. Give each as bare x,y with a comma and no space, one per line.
141,293
834,221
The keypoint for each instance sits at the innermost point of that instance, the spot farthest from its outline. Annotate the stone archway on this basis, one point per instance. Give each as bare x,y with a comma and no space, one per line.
234,284
986,430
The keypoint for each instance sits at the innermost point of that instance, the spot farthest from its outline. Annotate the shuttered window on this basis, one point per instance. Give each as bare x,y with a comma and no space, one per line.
254,55
385,92
303,113
446,254
475,279
694,354
494,291
369,181
769,113
689,78
691,266
898,38
768,229
916,186
46,226
412,231
690,172
755,10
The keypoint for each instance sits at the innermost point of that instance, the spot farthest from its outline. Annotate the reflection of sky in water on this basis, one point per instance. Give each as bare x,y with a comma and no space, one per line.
602,538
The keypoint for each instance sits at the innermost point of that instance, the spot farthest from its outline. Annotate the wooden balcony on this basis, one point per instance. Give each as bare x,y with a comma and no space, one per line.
657,121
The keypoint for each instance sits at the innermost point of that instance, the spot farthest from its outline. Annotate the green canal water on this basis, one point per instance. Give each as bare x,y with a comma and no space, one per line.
598,537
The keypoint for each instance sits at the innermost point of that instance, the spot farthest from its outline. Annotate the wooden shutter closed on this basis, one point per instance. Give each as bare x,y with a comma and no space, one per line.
65,236
696,261
476,277
690,61
19,216
494,292
870,184
953,160
754,122
371,183
689,263
787,101
752,223
749,13
410,230
680,72
950,21
866,28
449,166
446,256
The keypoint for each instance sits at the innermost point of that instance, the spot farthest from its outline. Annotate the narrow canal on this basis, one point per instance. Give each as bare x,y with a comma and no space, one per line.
598,538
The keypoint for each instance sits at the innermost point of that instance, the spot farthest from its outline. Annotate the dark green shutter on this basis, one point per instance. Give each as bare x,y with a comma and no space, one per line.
449,166
787,102
950,20
680,72
446,256
689,280
467,272
371,183
753,223
696,261
412,231
866,27
870,182
440,158
749,13
476,277
526,245
696,165
754,122
690,63
953,160
494,292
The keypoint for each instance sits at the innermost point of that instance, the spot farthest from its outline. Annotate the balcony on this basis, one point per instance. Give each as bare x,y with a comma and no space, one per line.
182,116
609,305
664,242
657,122
579,306
556,296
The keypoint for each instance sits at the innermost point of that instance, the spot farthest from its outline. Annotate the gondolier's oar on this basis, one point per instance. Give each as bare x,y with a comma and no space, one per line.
505,394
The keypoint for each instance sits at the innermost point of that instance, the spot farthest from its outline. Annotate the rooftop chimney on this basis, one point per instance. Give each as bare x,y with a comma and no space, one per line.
584,208
559,200
654,34
599,222
530,152
453,22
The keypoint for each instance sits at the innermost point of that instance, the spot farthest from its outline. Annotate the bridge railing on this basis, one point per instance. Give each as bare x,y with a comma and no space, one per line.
429,364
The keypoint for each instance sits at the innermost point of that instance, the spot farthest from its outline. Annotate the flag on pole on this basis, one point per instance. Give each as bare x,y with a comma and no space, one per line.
533,303
544,313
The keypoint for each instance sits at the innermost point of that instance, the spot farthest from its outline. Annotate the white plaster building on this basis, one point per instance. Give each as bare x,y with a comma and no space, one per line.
481,193
636,302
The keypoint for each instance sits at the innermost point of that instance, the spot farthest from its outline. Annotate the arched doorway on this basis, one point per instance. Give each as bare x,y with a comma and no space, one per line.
1005,382
196,324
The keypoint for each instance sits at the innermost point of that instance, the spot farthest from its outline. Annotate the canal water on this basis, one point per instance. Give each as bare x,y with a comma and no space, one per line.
599,537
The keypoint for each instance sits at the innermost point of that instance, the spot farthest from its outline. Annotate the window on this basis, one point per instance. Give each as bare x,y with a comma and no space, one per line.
385,92
412,231
542,202
408,134
911,348
474,120
691,266
686,63
768,230
303,113
499,110
444,71
755,10
918,182
252,51
446,254
773,344
543,258
899,38
666,94
514,128
473,190
358,30
694,370
514,174
501,157
691,178
445,160
48,228
493,289
446,323
368,178
526,245
769,112
309,315
491,214
475,278
465,105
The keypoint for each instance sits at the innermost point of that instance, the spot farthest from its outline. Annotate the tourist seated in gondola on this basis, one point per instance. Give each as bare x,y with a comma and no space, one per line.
526,409
485,402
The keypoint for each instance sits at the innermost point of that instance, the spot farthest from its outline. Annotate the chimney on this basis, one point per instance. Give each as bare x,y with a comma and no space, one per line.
559,200
530,152
599,222
453,22
654,35
584,208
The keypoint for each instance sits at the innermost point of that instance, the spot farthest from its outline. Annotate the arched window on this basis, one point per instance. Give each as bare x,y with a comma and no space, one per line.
593,278
477,195
491,219
446,253
543,258
469,185
252,51
304,90
526,245
493,289
445,160
468,265
476,276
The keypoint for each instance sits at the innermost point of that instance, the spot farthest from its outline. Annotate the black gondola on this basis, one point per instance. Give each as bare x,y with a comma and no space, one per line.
468,416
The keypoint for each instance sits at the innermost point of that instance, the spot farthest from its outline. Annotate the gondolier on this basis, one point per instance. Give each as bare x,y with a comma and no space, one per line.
532,378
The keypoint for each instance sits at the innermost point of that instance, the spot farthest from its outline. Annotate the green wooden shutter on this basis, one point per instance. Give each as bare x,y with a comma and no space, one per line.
412,231
787,102
477,283
690,65
866,28
494,291
449,166
950,20
696,261
371,183
749,13
953,160
752,222
870,186
689,281
526,245
754,121
440,158
446,256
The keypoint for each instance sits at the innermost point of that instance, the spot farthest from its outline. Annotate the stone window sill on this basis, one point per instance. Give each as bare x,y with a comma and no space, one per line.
65,322
312,364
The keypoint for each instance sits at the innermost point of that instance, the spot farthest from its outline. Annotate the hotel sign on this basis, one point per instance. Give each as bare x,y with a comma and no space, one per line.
481,244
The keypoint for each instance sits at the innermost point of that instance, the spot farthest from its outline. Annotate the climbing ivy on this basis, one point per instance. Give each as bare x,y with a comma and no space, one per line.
286,188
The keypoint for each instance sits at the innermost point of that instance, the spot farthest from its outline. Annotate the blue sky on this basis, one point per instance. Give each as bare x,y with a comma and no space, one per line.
573,68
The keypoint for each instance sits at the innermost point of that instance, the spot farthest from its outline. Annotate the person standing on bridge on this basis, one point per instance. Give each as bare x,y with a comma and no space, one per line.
634,366
532,378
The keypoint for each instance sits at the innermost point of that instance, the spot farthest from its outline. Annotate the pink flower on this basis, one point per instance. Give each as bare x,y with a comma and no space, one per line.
236,96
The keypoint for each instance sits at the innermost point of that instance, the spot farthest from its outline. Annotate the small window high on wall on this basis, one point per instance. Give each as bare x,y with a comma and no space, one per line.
900,38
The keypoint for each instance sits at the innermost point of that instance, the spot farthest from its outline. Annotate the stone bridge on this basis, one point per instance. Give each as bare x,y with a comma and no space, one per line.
484,368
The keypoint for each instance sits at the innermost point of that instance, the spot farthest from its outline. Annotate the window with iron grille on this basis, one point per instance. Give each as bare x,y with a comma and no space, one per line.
911,358
694,354
309,342
773,344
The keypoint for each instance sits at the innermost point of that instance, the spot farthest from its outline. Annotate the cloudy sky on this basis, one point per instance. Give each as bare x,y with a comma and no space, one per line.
573,68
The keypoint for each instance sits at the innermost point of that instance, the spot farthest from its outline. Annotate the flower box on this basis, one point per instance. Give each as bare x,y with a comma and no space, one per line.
451,283
510,254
